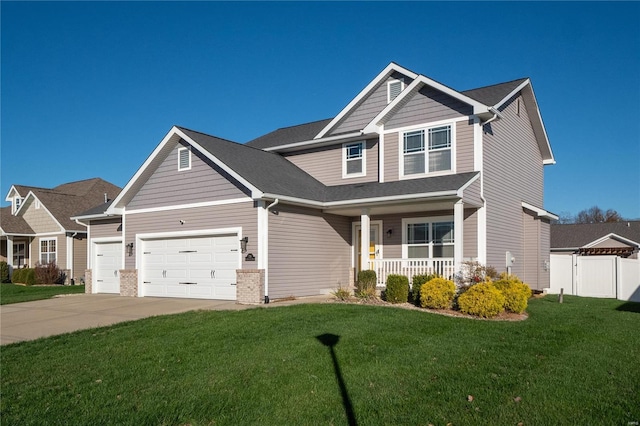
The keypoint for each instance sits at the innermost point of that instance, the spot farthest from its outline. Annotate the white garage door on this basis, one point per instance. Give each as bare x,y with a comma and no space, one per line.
108,261
200,267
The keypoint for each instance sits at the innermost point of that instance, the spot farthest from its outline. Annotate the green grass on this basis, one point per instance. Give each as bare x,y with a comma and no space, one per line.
571,363
11,293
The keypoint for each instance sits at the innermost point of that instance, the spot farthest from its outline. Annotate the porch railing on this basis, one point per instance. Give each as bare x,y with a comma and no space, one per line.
443,266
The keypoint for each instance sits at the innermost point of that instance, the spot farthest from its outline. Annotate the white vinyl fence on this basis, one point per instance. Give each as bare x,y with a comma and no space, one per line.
596,276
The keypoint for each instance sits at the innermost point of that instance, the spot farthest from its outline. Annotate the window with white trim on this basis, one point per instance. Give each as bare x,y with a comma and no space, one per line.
426,238
426,150
353,159
184,159
394,87
17,201
47,250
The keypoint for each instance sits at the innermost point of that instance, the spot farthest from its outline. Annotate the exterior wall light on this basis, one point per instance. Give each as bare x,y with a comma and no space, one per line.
243,244
130,249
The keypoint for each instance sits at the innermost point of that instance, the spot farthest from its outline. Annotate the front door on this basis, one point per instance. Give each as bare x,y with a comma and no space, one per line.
374,243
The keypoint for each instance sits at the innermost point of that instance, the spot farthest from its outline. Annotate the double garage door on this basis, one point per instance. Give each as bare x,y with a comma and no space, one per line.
198,267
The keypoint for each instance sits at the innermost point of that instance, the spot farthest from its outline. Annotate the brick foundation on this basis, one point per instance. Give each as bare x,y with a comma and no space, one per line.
129,282
250,286
87,281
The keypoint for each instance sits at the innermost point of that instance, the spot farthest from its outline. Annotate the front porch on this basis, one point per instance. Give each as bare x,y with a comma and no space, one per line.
444,267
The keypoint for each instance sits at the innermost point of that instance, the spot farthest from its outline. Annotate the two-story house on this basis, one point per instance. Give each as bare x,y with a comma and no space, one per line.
411,176
36,228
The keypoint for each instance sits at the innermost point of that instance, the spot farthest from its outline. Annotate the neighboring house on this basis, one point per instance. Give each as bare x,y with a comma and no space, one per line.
593,239
37,229
422,176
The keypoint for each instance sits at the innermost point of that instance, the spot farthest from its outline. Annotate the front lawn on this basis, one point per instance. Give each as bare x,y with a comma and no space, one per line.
12,293
570,363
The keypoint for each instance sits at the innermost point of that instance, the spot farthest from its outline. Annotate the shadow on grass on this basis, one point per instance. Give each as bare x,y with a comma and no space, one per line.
331,340
629,307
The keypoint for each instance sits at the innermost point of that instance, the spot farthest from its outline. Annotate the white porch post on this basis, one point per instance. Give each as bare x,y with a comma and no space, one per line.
365,238
458,234
10,250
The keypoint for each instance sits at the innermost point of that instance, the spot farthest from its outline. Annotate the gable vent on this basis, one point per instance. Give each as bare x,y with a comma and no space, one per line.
394,88
184,159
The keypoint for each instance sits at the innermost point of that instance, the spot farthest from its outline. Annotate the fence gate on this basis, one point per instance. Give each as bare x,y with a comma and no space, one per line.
596,276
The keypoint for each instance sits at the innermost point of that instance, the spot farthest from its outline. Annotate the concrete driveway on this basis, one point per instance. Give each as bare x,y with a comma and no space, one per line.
43,318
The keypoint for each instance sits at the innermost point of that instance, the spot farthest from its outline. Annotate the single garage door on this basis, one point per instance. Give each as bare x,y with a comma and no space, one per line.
199,267
108,262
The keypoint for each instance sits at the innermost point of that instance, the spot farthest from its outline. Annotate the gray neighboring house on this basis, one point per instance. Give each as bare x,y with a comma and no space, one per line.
410,177
36,227
597,239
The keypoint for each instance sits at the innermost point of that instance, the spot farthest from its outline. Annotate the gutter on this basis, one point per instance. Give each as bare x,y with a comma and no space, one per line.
264,250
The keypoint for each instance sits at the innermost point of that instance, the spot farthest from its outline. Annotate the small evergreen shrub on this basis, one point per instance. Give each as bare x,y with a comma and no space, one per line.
397,289
515,292
483,300
416,283
437,293
24,276
4,272
366,285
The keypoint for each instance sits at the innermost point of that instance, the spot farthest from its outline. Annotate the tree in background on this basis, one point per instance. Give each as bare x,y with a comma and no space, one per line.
596,215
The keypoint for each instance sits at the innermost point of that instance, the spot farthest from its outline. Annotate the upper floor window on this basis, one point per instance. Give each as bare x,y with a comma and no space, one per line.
353,159
426,151
16,203
394,87
184,159
47,250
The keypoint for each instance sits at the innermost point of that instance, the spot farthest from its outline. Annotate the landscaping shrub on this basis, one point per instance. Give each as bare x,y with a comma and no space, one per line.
366,285
515,292
437,293
483,300
397,289
24,276
342,293
49,273
416,283
473,272
4,272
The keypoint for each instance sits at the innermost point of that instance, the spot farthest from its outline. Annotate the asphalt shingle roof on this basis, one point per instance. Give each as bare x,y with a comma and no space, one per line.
11,224
580,234
299,133
491,95
63,202
272,173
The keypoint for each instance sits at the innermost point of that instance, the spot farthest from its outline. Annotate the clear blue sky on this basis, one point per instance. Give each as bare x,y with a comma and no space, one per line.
89,89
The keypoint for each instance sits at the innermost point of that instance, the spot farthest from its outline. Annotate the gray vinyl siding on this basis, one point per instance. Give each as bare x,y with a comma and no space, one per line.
464,147
428,105
39,219
610,242
106,228
242,215
471,194
513,173
391,153
544,278
203,182
369,107
325,163
470,235
531,243
309,252
79,259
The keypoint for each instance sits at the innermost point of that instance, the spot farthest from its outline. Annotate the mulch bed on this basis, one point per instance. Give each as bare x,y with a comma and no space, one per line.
504,316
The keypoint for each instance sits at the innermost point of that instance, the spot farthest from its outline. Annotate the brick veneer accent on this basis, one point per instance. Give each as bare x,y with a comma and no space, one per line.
250,286
129,282
87,281
352,278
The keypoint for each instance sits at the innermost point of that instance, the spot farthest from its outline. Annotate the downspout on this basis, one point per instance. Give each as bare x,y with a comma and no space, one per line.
496,115
265,250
